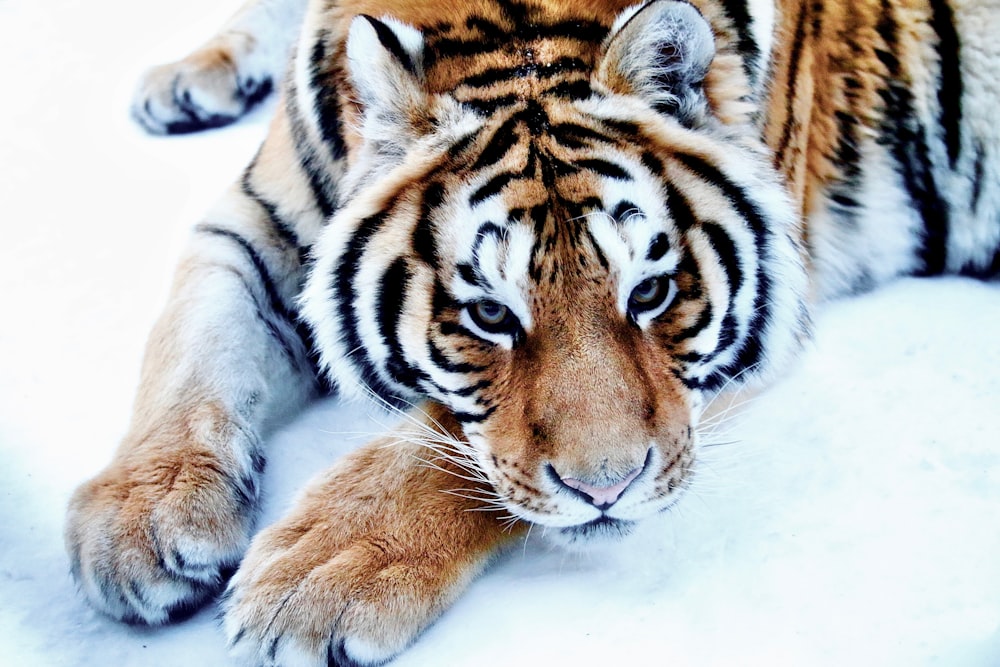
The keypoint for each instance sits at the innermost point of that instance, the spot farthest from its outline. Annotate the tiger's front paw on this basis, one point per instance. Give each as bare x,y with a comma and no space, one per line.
203,91
152,538
304,597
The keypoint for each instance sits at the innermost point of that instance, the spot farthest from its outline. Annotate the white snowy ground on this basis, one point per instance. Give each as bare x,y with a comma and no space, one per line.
855,522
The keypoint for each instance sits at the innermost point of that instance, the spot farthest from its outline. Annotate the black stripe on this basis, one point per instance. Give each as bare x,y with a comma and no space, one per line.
282,227
389,306
578,89
653,163
679,208
460,48
751,350
326,99
496,75
488,107
442,361
491,187
950,78
471,389
843,191
727,333
469,274
604,168
316,175
523,21
704,319
499,144
487,28
658,247
469,418
270,287
423,241
456,149
793,72
442,301
485,231
624,209
728,254
455,329
907,139
274,301
977,177
572,135
343,285
738,12
390,42
690,383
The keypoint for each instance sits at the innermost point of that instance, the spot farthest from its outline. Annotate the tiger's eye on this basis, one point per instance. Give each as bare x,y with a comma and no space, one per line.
490,313
647,292
494,318
650,296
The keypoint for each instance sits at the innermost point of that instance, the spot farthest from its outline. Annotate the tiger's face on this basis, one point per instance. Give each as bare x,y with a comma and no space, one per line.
570,275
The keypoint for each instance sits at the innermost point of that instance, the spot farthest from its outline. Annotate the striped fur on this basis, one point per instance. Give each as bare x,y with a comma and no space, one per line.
560,226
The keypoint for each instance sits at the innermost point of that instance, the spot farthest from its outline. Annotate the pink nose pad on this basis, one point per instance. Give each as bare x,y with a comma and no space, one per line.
601,497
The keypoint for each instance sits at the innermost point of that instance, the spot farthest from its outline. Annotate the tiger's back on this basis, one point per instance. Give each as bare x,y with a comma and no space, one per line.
880,118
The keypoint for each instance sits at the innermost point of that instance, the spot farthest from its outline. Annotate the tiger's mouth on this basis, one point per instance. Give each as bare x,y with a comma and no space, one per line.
603,528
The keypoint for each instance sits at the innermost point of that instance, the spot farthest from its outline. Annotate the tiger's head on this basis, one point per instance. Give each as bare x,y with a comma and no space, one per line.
570,239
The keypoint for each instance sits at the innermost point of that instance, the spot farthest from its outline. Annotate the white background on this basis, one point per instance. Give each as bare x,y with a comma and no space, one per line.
855,519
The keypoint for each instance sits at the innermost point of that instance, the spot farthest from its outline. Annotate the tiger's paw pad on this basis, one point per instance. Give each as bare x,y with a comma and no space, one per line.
357,608
201,92
152,546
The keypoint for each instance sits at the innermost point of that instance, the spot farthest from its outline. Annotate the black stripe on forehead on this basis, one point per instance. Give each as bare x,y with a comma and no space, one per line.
658,247
518,22
492,76
488,230
504,138
575,136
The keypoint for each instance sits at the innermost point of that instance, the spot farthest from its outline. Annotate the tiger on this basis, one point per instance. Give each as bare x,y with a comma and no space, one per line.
551,231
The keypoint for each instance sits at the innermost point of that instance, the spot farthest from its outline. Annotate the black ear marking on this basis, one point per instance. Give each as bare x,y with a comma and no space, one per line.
390,42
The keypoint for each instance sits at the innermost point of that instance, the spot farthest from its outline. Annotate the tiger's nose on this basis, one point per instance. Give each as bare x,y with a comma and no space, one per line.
601,497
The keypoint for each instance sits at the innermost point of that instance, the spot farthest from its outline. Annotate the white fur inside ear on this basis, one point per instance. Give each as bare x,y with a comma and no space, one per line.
384,60
664,50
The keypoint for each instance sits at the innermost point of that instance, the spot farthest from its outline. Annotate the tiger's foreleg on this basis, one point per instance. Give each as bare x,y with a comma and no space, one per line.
226,76
375,550
153,534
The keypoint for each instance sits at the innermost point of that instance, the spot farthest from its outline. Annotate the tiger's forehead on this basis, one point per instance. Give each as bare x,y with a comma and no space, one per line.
489,54
483,49
582,199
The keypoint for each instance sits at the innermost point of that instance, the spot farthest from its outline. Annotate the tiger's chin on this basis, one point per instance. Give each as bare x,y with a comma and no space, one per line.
600,531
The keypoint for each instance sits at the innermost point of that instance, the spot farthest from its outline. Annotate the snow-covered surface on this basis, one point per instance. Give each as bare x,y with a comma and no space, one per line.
855,520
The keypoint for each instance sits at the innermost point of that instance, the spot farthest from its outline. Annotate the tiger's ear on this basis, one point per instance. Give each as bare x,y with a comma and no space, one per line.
385,65
661,53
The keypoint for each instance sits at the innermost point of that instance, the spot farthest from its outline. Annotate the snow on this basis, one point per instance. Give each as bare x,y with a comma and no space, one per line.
854,518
